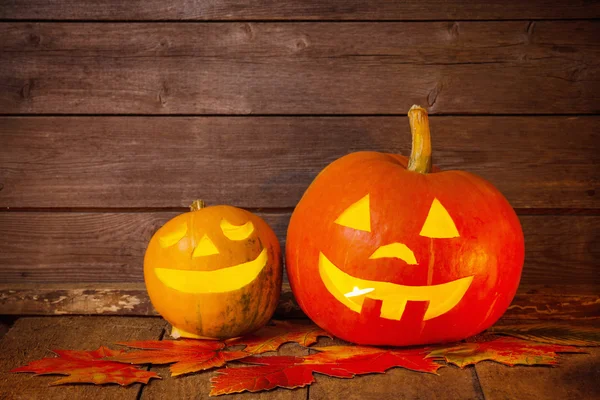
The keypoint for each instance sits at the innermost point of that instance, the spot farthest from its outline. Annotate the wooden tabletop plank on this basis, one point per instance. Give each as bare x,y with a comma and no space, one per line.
135,162
575,377
197,385
41,247
396,383
263,68
532,303
32,338
293,10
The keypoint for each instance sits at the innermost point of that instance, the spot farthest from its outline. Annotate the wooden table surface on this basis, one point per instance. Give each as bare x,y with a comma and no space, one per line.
31,338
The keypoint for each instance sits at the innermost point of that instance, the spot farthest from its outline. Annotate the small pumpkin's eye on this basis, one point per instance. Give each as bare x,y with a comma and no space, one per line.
236,232
439,223
173,237
357,216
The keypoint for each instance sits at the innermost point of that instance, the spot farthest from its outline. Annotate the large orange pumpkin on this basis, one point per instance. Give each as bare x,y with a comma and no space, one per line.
214,272
383,250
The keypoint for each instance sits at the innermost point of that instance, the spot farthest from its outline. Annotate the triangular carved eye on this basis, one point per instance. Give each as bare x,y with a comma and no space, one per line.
357,216
439,223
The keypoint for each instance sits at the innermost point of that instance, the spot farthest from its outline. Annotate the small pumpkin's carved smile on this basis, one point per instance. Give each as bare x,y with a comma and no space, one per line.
352,292
218,281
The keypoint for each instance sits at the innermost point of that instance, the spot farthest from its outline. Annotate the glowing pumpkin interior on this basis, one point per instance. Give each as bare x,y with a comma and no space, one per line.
206,268
386,250
352,291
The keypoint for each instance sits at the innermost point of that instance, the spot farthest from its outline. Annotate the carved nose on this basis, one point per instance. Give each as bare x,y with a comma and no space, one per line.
395,250
205,248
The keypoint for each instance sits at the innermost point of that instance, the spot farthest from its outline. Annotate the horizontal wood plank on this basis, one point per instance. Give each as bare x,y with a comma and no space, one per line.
568,303
105,299
136,162
307,68
453,42
30,339
291,10
109,247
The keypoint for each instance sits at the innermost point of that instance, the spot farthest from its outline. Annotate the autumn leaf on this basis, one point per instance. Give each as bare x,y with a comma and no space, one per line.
192,355
88,367
338,361
508,351
271,337
553,333
188,355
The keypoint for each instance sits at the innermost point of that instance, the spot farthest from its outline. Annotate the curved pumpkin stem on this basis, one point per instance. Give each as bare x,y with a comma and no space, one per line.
420,156
197,205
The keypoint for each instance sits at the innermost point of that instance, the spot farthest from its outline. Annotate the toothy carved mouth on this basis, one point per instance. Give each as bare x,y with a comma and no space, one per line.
352,292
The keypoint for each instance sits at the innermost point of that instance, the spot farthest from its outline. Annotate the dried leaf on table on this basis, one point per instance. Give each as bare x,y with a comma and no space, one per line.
188,355
554,333
508,351
338,361
88,367
271,337
191,355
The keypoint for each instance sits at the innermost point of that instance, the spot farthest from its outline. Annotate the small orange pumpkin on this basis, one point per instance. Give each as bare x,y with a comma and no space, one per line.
214,272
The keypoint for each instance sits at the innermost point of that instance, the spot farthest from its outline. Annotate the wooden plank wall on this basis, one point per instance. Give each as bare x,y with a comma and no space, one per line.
115,115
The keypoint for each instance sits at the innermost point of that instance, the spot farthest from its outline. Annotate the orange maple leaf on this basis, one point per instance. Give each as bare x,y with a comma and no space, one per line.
506,351
188,355
271,337
339,361
88,367
192,355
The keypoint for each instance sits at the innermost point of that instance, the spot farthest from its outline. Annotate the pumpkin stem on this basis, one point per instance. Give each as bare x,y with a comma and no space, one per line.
420,156
197,205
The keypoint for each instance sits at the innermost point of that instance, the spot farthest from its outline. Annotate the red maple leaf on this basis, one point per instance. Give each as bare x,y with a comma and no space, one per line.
339,361
88,367
188,355
192,355
506,351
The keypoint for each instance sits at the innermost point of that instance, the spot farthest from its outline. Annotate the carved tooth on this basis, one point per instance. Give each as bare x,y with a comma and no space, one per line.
393,309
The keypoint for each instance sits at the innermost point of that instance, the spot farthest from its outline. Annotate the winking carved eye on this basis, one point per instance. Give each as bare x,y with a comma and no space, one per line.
236,232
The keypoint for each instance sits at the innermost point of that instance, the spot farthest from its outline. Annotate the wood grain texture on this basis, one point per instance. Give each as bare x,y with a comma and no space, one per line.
448,42
576,377
396,383
109,299
561,302
136,162
32,338
290,10
569,303
518,67
109,247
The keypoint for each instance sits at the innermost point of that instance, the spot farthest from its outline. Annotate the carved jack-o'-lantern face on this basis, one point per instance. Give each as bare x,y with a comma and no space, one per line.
352,291
381,253
214,272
